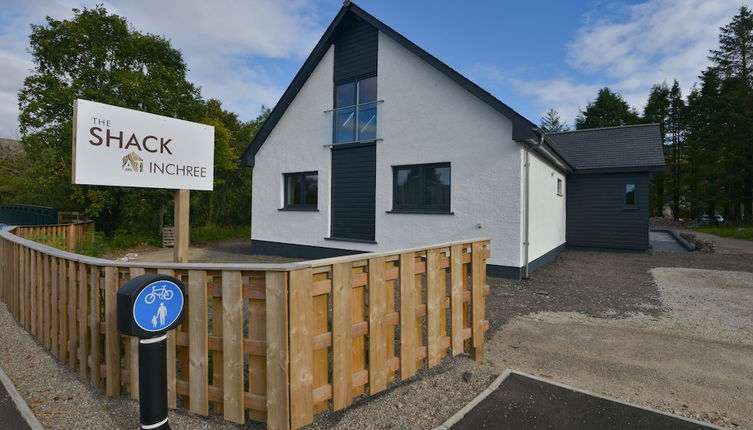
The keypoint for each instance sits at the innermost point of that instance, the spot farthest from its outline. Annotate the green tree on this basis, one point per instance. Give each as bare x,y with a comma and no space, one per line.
551,122
676,131
657,111
97,56
732,62
230,202
608,110
705,146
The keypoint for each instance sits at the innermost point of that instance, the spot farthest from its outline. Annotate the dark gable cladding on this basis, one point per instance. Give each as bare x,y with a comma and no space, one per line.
356,45
626,148
522,128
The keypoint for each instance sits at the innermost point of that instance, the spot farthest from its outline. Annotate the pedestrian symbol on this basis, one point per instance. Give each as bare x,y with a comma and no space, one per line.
158,305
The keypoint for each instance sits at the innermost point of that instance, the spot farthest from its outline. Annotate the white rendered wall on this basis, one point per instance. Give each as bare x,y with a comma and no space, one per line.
295,145
428,118
547,228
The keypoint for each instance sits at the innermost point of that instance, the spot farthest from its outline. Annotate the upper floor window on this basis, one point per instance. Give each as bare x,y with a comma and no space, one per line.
355,113
421,188
301,190
559,186
630,198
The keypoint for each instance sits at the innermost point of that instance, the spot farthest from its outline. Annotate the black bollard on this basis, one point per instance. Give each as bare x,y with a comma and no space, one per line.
153,383
148,307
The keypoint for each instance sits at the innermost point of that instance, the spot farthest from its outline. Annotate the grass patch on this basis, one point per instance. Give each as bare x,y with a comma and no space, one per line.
219,232
728,231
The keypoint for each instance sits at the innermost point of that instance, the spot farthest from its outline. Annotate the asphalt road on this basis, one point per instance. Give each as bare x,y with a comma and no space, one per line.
10,418
526,403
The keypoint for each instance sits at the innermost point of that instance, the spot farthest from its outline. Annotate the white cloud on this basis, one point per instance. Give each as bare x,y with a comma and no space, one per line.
223,43
629,48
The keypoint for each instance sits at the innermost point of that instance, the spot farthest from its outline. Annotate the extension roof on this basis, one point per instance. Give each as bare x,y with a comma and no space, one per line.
626,148
523,129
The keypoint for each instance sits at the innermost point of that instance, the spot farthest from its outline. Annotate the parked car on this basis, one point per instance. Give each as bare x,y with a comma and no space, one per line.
708,219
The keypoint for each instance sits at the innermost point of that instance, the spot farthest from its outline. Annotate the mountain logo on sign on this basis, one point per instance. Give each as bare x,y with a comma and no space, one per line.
133,163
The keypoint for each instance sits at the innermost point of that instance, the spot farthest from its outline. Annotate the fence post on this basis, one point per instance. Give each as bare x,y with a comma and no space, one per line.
301,355
478,280
71,236
278,381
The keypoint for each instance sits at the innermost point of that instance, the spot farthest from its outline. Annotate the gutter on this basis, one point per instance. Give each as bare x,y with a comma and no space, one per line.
527,164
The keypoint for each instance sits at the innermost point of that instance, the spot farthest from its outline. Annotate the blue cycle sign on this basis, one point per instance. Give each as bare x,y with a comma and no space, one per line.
158,306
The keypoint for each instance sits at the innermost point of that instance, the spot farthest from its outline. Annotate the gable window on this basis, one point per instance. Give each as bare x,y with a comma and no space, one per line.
355,113
421,188
559,186
301,190
630,198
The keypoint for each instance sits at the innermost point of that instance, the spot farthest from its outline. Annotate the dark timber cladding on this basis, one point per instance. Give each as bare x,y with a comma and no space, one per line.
354,166
355,50
597,216
354,192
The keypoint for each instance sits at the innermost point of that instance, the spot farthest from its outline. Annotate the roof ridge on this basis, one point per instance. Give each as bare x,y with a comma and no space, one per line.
604,128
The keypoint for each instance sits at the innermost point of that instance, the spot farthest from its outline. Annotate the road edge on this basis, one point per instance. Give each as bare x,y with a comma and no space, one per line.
21,405
473,403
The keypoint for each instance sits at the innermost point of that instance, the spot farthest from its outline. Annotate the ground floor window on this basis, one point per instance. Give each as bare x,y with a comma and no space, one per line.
301,190
630,200
421,188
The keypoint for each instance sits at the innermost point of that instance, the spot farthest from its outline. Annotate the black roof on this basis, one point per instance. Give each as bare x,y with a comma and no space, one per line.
633,147
522,128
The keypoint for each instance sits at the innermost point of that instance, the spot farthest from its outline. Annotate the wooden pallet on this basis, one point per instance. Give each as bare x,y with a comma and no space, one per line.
168,237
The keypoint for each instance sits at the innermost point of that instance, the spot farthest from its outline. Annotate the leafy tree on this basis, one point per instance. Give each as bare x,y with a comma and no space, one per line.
97,56
608,110
229,203
551,122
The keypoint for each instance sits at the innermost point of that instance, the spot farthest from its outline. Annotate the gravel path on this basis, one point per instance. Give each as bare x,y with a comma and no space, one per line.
60,400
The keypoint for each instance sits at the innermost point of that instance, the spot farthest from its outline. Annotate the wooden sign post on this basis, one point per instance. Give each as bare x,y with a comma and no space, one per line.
180,248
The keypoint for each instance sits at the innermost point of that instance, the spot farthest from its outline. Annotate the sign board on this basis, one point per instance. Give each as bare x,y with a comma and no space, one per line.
149,305
124,147
158,306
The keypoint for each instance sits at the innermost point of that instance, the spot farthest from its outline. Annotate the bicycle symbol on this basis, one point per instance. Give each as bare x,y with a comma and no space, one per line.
158,292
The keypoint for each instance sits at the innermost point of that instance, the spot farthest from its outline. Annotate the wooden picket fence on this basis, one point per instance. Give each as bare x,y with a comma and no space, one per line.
269,342
70,235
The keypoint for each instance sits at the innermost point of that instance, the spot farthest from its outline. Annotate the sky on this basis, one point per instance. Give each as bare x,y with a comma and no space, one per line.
532,55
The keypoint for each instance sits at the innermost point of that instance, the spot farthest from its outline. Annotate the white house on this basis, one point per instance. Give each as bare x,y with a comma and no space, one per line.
377,145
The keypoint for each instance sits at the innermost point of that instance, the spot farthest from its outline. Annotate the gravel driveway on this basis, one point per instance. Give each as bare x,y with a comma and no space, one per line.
666,330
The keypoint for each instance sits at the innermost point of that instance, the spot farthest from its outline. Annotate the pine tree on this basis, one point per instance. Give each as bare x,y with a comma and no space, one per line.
676,131
657,111
551,122
733,63
608,110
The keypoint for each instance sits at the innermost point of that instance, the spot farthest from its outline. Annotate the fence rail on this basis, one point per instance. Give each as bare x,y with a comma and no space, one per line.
272,342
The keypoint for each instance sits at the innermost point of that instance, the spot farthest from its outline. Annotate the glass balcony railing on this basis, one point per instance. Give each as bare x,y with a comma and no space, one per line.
350,124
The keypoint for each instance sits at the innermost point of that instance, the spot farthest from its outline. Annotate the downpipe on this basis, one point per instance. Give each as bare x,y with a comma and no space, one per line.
527,164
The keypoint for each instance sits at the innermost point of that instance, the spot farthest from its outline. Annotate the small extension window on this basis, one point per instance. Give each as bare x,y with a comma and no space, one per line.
630,198
559,186
301,190
421,188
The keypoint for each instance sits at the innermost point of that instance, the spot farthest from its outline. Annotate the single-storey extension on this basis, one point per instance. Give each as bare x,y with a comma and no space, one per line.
377,145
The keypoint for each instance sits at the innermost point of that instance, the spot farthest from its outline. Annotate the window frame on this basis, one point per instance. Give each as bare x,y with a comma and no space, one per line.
312,207
560,187
421,207
356,110
627,205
